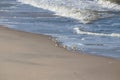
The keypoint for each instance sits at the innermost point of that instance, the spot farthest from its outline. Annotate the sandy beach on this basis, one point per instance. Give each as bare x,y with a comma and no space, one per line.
27,56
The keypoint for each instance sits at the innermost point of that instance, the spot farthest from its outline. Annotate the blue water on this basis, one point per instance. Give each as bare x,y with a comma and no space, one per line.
101,36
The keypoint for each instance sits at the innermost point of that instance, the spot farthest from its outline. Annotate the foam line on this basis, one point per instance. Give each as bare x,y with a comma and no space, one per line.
78,31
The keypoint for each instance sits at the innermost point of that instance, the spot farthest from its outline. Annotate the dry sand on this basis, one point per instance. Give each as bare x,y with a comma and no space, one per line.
27,56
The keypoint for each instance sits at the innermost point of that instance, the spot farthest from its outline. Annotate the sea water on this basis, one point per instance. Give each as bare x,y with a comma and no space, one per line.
87,26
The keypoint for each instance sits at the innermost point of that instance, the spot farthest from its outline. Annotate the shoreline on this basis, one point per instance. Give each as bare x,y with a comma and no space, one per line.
57,44
29,56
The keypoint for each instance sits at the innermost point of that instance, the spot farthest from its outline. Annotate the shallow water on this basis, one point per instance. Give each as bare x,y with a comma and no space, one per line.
100,37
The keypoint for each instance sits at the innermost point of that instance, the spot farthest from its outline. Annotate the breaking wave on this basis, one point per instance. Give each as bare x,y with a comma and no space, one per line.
85,11
109,5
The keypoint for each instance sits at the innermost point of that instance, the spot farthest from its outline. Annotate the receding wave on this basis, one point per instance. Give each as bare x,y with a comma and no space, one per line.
79,31
85,11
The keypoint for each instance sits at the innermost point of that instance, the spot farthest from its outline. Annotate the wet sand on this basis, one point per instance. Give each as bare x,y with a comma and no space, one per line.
27,56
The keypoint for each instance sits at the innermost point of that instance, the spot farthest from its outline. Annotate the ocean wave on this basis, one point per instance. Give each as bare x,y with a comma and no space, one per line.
109,5
85,11
77,30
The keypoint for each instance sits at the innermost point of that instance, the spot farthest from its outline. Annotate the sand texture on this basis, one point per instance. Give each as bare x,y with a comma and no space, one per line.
27,56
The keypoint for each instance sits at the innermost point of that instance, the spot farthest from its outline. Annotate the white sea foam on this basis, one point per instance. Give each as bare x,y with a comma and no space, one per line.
78,31
109,5
83,10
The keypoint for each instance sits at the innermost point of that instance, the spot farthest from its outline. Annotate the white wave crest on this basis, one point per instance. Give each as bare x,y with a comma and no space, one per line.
83,10
78,31
109,5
